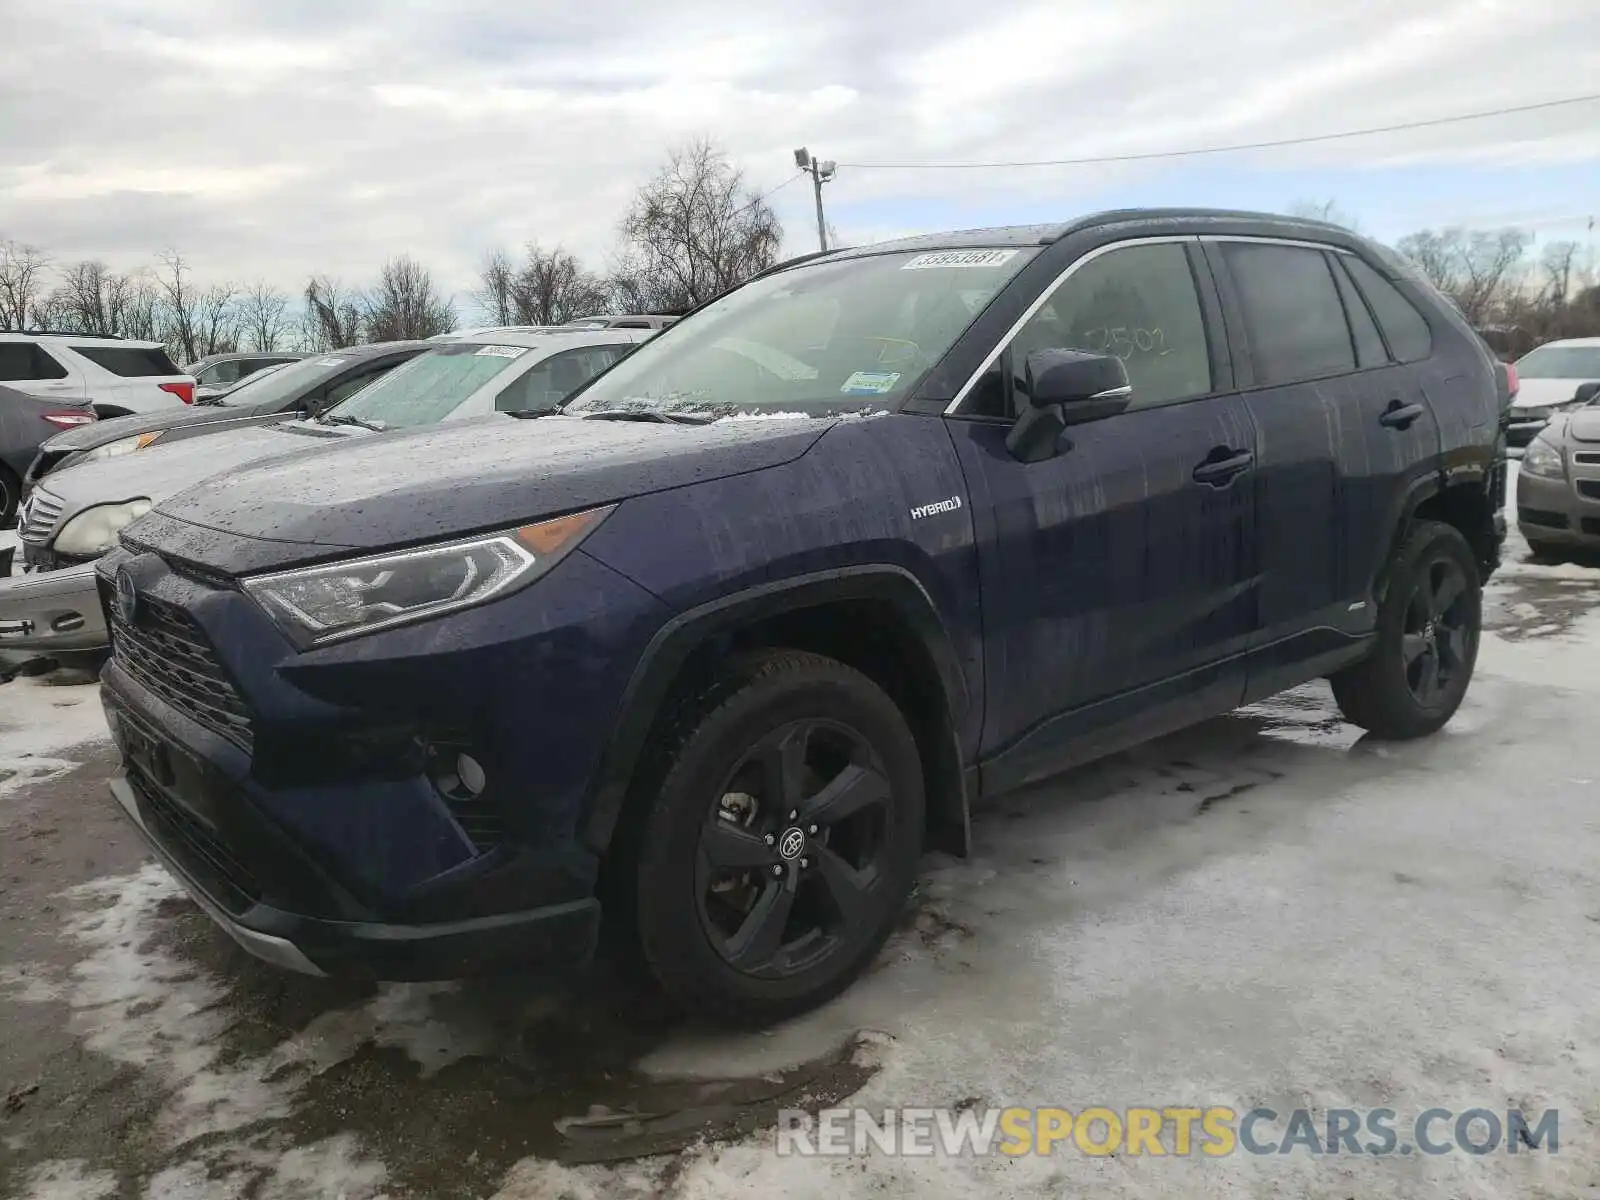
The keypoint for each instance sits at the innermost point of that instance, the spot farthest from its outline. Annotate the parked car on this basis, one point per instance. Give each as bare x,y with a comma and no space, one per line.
116,375
1547,380
624,321
73,516
1558,484
25,422
215,374
307,387
479,331
720,648
209,395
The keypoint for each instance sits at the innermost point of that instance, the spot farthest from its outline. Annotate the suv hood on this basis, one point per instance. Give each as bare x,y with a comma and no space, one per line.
485,473
1582,426
1545,393
88,437
161,471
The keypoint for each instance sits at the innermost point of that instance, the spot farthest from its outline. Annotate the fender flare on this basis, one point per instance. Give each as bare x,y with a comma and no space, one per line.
673,644
1401,515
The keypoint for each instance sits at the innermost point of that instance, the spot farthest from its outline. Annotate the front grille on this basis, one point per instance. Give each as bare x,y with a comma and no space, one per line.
168,653
197,849
1540,516
1588,458
1589,488
43,513
1591,526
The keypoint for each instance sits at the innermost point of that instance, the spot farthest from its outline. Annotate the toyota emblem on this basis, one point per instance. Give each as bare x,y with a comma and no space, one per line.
791,844
127,597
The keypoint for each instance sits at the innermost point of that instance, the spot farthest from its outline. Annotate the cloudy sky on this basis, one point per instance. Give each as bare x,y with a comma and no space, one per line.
270,140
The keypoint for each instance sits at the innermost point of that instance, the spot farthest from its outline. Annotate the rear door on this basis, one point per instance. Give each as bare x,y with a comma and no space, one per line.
29,367
1117,576
1340,426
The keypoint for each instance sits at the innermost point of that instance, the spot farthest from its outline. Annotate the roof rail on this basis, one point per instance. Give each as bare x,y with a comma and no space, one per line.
113,337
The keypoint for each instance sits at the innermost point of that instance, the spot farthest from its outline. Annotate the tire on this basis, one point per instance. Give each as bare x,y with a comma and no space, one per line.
10,496
1429,623
778,733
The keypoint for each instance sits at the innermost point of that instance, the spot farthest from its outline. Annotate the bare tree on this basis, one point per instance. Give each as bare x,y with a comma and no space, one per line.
497,280
263,316
1322,210
1480,270
1559,262
406,304
142,310
695,230
22,272
180,306
333,318
93,299
552,287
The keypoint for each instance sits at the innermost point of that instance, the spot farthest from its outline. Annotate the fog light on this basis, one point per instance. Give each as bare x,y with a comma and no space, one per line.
470,773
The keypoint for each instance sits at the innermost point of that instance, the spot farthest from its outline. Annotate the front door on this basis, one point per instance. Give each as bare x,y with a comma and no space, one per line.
1118,577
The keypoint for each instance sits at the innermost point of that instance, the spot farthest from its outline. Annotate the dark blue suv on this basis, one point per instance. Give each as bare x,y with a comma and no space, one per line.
712,656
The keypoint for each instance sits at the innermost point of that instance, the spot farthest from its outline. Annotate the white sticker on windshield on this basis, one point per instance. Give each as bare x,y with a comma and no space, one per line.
959,258
502,351
870,383
332,362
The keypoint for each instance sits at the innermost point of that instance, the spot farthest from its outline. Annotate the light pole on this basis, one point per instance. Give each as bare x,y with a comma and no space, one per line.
821,173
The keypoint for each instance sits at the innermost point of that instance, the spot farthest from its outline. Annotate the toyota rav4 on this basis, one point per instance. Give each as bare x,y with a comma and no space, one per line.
706,660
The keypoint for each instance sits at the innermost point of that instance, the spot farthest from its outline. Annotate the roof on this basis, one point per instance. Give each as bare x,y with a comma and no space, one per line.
56,335
232,355
544,338
1586,342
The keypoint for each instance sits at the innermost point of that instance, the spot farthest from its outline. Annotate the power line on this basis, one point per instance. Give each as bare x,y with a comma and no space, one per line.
1268,145
772,191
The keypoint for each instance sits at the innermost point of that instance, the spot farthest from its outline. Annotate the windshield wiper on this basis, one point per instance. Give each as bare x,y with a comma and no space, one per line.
347,419
654,415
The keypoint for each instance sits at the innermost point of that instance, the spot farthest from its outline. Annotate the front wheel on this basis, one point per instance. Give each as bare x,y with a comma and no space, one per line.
783,841
10,495
1429,623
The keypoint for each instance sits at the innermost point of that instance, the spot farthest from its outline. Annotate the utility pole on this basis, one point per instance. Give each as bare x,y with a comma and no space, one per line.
821,173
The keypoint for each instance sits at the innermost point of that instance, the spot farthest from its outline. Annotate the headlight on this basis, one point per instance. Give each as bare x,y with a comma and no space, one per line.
1542,459
314,605
121,446
94,531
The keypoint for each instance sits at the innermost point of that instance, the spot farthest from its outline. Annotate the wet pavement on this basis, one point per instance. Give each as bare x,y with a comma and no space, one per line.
1269,907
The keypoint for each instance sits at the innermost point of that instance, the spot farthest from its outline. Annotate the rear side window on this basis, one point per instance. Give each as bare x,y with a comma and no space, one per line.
130,361
1292,314
1404,327
25,360
1369,345
556,378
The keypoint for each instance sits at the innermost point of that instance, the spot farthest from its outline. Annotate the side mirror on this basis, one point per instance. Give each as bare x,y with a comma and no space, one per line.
1065,387
1586,393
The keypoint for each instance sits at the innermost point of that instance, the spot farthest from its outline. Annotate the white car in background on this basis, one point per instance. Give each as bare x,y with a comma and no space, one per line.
116,375
1547,380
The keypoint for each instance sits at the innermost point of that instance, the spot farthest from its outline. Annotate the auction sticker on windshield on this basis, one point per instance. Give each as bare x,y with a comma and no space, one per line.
959,258
502,351
870,383
331,362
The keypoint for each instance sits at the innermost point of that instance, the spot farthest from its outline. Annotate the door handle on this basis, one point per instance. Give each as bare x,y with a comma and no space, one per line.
1221,471
1399,416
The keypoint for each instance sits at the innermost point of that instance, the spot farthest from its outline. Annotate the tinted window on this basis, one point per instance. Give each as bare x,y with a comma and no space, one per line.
24,360
1402,324
1369,345
556,378
356,380
218,374
283,388
1138,303
1292,315
130,361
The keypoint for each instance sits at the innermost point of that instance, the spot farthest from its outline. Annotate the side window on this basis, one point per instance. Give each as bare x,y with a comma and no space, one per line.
1369,346
1292,314
556,378
1138,303
353,383
22,361
1404,327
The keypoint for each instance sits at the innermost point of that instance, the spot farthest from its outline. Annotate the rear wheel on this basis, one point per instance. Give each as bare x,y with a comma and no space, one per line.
10,494
1428,628
783,841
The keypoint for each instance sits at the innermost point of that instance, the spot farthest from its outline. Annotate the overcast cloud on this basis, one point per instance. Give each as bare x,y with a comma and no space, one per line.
277,139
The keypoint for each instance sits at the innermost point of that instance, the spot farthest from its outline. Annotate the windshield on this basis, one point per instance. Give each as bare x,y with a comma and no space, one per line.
431,386
828,337
1560,362
285,383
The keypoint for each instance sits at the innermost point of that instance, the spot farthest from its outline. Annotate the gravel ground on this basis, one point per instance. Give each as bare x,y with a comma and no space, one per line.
1268,910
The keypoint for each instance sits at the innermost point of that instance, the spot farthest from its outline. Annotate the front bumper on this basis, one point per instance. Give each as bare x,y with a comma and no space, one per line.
1561,512
52,610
